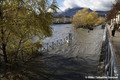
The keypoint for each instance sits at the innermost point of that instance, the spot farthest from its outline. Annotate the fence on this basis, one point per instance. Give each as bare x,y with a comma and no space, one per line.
53,45
111,67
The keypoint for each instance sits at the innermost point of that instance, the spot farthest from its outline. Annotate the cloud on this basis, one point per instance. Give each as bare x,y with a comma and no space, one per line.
101,5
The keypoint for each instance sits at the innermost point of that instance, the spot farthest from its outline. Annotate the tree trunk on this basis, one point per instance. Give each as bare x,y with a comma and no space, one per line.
4,46
17,52
4,52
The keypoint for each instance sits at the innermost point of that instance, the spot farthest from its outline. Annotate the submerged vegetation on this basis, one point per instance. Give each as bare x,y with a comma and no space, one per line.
20,22
86,19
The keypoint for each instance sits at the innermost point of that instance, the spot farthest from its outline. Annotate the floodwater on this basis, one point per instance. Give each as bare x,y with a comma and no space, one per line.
59,32
69,61
79,59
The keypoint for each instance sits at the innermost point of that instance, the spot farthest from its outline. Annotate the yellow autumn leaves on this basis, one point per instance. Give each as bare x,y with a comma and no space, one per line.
20,22
85,19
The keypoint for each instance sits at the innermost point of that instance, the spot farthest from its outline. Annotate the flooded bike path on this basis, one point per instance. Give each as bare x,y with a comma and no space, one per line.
67,62
77,60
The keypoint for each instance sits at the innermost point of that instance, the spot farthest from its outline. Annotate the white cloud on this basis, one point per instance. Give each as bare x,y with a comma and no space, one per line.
102,5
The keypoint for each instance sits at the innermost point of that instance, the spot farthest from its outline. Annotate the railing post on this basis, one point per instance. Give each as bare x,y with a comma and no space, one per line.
64,40
57,43
52,45
47,47
61,41
111,68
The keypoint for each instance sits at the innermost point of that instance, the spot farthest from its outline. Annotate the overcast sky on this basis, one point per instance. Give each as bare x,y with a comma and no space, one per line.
101,5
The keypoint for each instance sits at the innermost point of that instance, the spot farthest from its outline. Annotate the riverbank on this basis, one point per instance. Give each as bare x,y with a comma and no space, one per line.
101,66
69,62
77,59
63,23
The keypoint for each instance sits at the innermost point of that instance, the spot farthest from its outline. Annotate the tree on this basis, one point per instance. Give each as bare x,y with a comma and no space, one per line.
20,22
83,18
114,11
101,20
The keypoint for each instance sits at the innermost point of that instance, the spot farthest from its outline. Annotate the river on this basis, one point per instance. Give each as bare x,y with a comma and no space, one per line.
68,61
79,59
59,32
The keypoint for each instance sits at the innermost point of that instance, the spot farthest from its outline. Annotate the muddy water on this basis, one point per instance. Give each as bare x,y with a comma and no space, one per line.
59,32
76,60
68,62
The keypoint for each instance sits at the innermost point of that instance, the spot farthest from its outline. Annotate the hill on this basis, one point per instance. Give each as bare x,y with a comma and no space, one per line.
71,12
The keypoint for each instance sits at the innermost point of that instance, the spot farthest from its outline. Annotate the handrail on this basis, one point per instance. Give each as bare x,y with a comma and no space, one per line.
111,66
53,45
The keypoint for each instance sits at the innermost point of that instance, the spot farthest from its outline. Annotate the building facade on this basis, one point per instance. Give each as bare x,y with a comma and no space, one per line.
62,19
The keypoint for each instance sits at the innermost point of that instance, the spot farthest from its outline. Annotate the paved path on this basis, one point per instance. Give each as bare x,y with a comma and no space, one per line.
81,58
116,45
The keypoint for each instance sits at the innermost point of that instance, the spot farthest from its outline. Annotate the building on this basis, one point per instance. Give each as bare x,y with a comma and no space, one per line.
117,19
62,19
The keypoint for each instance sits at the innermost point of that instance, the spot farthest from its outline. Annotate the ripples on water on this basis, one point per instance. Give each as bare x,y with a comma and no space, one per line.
67,62
59,32
80,58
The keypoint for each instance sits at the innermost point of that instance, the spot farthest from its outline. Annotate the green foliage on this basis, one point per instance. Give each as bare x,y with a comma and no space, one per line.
84,18
101,20
20,22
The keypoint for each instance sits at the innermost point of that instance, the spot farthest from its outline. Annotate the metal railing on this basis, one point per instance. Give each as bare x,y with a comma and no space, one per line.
111,66
55,44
